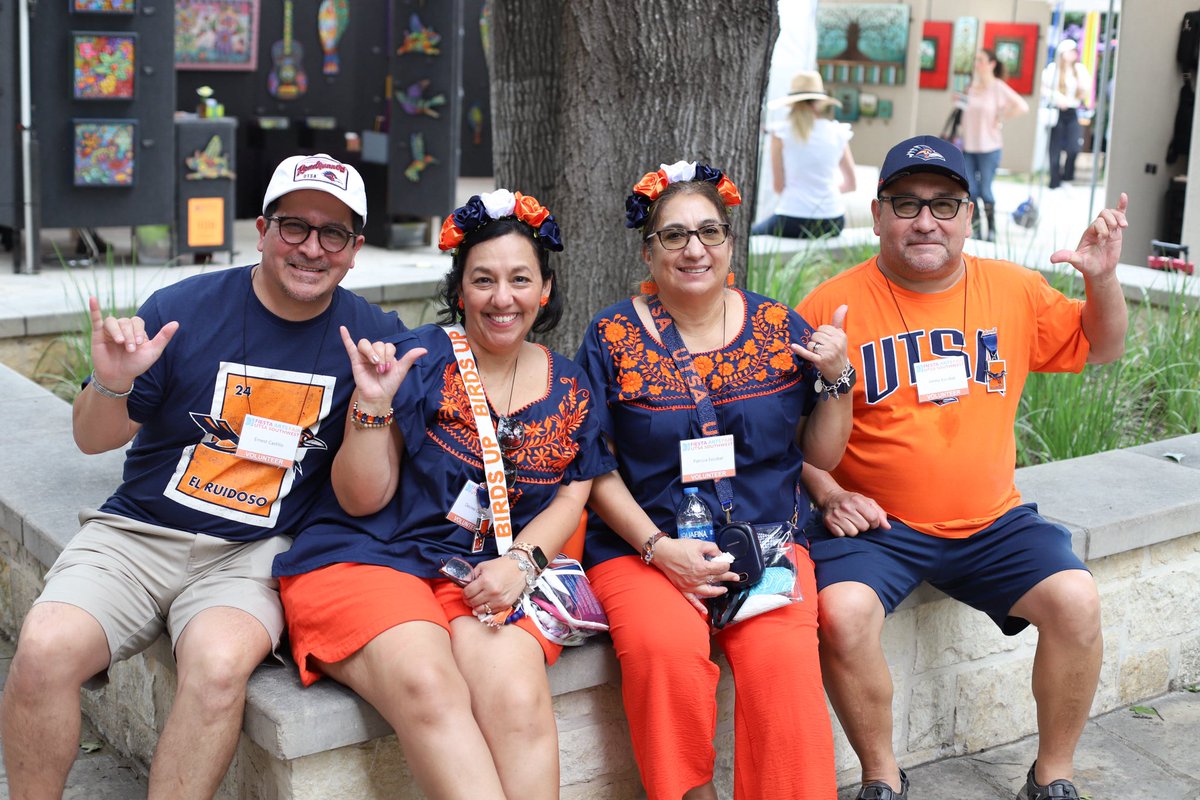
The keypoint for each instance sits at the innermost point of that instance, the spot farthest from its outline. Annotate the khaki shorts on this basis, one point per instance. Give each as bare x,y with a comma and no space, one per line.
139,580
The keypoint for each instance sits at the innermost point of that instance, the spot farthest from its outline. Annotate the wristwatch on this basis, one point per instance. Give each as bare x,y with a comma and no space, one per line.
536,556
840,386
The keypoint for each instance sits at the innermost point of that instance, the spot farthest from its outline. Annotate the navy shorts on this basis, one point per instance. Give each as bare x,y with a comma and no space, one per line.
989,571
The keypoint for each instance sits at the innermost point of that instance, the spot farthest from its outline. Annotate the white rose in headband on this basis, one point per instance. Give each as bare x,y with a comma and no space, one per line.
498,204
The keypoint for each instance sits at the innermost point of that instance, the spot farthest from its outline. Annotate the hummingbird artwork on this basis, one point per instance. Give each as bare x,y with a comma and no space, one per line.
421,159
414,103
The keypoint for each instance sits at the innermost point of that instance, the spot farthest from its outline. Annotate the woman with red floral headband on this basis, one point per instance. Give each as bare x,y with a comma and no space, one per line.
688,347
373,608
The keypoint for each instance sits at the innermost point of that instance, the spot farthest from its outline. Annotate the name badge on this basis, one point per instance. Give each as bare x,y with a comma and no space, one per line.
941,378
706,458
466,511
268,441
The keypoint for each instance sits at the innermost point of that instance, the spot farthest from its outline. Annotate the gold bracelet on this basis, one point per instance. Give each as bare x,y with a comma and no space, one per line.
362,420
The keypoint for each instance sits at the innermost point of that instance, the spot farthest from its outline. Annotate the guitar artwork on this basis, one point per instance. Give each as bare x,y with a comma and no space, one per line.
287,80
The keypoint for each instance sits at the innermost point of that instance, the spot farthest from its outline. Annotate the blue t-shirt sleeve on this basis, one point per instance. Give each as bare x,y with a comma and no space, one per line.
148,387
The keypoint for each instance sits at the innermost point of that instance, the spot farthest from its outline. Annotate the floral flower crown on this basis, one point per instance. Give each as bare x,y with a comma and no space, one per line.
484,208
652,184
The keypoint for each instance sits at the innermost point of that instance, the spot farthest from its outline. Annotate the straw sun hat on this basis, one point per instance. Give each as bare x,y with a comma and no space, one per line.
806,86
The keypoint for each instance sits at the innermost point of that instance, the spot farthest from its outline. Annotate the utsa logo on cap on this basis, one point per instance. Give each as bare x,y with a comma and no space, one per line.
321,173
925,153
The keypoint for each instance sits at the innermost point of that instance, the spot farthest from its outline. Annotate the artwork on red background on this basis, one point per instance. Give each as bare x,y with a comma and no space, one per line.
102,66
1015,46
935,54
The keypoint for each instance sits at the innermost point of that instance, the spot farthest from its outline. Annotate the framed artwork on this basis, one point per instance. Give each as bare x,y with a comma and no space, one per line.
868,104
102,65
884,111
962,60
104,152
849,97
1015,46
862,42
216,34
935,54
103,6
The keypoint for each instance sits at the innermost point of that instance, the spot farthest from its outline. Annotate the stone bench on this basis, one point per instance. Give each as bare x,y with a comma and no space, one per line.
960,686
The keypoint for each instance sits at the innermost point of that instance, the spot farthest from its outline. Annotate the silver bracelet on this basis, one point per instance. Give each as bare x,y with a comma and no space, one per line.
528,570
104,391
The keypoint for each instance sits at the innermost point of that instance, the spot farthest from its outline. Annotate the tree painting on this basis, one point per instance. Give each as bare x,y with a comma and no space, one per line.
862,32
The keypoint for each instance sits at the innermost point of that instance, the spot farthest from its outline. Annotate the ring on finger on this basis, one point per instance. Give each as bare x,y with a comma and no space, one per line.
815,346
486,608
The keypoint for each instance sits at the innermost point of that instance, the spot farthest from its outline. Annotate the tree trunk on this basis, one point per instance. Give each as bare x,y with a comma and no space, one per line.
589,96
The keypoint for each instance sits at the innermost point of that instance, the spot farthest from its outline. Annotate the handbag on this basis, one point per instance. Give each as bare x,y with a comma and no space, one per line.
562,603
762,552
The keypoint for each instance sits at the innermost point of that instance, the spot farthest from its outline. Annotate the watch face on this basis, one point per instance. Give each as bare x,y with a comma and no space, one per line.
539,558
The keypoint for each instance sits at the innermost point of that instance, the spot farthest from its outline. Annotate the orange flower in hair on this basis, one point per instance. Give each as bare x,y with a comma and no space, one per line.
451,235
729,193
651,185
529,210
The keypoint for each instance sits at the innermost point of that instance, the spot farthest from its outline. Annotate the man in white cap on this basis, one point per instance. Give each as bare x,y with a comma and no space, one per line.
943,343
232,387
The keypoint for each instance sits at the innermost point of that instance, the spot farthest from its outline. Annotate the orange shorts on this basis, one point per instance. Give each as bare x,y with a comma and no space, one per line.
333,612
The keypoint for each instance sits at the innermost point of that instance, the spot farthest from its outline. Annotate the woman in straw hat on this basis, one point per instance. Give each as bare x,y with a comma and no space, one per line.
811,164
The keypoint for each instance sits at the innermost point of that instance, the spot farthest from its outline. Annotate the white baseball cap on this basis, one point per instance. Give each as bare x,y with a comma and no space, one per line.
322,173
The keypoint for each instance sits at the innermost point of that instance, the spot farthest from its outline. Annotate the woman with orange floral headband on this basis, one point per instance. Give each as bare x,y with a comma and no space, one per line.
394,611
778,389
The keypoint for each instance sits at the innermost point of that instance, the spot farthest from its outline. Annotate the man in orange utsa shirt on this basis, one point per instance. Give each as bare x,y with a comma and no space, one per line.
943,343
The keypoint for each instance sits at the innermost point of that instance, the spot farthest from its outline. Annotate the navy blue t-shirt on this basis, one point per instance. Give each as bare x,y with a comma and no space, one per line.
759,389
562,444
231,357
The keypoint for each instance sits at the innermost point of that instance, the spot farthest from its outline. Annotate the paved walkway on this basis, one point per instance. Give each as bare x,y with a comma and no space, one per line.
1122,755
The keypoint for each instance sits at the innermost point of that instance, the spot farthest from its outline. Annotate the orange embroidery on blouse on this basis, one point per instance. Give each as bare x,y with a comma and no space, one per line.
763,358
549,446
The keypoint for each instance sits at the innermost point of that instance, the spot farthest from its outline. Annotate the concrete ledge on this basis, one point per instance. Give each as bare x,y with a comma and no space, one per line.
960,687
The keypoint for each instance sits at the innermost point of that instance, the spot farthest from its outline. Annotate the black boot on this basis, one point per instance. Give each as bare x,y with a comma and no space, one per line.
990,210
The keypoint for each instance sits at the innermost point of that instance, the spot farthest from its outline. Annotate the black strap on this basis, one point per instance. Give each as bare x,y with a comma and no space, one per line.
699,390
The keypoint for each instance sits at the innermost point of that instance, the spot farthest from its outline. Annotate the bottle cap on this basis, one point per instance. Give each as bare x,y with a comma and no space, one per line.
690,490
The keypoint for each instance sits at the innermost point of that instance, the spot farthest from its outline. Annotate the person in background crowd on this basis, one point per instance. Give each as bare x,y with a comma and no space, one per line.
1067,91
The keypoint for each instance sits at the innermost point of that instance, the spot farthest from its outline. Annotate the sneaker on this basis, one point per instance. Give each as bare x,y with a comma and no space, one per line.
878,790
1061,789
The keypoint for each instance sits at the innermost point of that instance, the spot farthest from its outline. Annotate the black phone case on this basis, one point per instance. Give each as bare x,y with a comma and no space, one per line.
739,540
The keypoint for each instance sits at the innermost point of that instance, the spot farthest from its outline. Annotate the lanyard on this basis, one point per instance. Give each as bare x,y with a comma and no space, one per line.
489,444
704,407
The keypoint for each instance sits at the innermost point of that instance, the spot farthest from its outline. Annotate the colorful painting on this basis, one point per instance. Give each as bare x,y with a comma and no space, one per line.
104,6
104,152
102,65
865,43
419,39
966,37
1015,46
216,34
420,159
868,104
414,102
935,54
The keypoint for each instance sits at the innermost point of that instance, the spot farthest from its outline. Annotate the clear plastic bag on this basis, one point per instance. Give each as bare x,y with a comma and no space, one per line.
563,605
774,589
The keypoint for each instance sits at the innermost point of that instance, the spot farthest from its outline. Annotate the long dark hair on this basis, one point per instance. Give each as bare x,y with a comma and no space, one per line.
997,65
450,289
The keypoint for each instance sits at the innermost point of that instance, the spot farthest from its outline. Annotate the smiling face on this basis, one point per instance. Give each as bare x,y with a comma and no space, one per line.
695,270
297,281
923,254
501,291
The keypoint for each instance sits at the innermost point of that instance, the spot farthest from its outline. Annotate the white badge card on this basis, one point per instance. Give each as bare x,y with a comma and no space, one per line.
268,441
465,511
941,378
706,458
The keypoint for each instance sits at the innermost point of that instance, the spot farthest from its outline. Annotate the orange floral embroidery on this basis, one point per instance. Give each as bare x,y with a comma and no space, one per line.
781,361
631,382
614,332
775,314
725,368
703,365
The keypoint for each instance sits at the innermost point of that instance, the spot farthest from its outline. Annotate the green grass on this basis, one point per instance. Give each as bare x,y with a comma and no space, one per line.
1151,393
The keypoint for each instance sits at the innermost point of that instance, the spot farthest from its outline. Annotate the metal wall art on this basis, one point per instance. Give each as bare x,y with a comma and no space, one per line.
104,152
102,65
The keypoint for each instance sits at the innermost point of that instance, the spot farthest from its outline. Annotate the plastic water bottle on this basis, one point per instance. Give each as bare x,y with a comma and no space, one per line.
693,520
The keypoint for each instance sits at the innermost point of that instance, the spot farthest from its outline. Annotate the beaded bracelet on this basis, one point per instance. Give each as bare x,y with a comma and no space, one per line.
104,391
361,419
648,547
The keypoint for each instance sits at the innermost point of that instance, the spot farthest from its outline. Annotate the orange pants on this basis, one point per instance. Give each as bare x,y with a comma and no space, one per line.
782,735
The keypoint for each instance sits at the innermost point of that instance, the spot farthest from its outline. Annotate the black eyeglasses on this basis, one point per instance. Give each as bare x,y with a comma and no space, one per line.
293,230
678,238
907,207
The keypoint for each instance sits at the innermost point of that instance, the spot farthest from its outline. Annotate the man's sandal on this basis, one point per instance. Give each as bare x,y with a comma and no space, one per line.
878,790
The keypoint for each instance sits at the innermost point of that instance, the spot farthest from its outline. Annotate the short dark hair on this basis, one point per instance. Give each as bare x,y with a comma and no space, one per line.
356,222
702,188
450,289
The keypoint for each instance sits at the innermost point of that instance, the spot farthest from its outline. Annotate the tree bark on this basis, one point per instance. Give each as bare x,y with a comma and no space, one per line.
588,96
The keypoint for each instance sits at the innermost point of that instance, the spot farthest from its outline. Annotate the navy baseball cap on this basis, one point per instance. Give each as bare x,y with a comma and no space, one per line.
923,154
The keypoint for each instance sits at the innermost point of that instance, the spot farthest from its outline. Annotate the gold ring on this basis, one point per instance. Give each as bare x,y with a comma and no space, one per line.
487,608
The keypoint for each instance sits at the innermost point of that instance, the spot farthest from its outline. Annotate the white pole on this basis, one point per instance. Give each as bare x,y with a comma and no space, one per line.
31,234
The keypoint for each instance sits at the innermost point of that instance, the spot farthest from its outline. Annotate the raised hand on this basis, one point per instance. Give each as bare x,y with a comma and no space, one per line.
377,371
1099,248
121,351
827,346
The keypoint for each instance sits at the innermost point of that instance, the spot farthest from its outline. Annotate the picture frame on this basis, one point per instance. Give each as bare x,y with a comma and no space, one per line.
103,65
935,54
848,95
1015,45
216,35
863,42
120,7
104,153
868,104
884,109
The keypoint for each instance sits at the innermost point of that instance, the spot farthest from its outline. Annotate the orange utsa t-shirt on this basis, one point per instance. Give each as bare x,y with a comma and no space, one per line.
945,467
